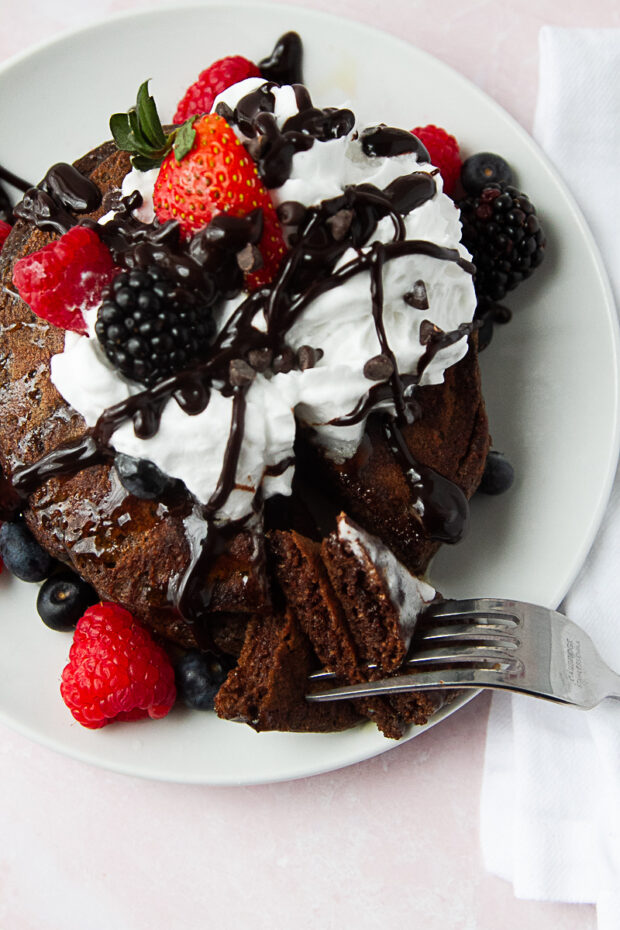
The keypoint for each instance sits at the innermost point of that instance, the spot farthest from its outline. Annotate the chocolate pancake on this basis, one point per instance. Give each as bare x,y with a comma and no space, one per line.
136,552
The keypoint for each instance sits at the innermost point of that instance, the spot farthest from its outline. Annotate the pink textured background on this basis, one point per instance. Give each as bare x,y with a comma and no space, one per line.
393,841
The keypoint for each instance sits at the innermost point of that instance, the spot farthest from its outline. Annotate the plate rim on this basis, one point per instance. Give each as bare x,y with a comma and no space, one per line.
587,237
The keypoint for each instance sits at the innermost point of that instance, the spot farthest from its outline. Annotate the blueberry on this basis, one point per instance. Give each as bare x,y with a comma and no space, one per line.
498,474
62,600
141,477
22,554
198,679
482,169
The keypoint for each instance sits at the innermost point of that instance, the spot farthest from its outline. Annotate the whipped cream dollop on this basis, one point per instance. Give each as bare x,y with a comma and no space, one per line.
339,322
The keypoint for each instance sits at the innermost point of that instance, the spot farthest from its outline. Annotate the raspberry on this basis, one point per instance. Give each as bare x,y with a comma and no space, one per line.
115,670
212,81
65,278
444,152
5,229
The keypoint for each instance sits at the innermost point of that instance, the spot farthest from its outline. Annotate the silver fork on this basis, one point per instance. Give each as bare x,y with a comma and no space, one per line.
500,644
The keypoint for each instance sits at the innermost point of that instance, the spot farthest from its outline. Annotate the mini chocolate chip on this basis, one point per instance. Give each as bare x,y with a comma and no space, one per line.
260,359
284,362
417,296
240,373
428,331
340,223
291,212
378,368
111,200
226,112
307,357
249,258
291,215
255,147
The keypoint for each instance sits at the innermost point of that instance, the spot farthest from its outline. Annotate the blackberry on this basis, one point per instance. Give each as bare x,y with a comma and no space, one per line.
504,236
151,327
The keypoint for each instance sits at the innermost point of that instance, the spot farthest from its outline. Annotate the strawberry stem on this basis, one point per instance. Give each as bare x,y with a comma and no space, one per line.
140,132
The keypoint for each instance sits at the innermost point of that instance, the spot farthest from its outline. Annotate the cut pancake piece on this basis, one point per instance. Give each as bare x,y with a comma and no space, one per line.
381,599
344,639
268,687
303,579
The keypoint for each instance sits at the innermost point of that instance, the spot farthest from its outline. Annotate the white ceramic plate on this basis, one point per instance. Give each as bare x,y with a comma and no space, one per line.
550,377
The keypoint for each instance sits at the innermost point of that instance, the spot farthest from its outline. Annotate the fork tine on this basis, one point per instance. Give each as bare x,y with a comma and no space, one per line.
455,653
461,632
462,654
476,608
456,634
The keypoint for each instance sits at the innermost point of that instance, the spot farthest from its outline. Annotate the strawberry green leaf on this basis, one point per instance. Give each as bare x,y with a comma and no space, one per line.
144,163
149,117
121,131
134,122
184,139
139,131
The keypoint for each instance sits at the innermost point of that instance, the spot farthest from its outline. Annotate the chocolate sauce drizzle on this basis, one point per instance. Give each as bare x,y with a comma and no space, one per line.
284,64
62,192
273,148
319,236
6,208
13,179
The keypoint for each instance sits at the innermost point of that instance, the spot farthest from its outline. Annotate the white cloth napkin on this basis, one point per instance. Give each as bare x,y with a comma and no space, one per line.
550,810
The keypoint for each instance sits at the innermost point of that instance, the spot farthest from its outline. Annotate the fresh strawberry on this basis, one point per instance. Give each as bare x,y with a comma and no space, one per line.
65,278
115,671
5,229
444,152
218,176
212,81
